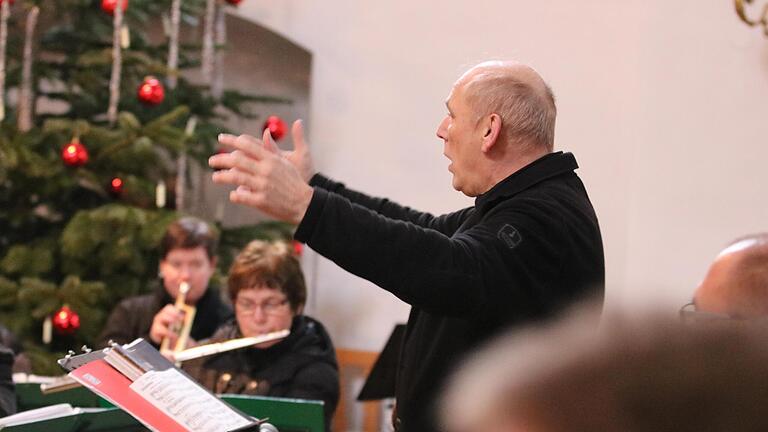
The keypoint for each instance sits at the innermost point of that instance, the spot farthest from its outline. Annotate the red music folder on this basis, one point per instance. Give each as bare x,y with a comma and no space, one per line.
139,380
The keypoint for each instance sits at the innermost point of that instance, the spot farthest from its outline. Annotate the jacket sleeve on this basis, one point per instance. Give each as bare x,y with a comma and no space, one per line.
446,224
7,393
502,260
317,381
123,324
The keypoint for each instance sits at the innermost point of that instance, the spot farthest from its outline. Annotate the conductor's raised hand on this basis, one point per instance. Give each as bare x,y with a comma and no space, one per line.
300,157
265,178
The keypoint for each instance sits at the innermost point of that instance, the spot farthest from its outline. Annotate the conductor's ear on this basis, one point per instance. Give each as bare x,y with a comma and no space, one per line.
492,129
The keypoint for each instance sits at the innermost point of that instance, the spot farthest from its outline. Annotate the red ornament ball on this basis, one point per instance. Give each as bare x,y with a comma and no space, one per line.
65,321
151,91
116,186
276,127
298,248
11,2
234,2
74,154
109,6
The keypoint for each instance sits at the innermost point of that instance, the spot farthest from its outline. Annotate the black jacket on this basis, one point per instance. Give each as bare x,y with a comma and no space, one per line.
7,388
528,247
132,317
301,366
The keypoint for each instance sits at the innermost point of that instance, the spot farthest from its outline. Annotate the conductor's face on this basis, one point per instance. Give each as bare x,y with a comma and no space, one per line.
462,140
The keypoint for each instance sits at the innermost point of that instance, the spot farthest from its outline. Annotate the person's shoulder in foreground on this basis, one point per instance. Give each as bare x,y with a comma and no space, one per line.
644,373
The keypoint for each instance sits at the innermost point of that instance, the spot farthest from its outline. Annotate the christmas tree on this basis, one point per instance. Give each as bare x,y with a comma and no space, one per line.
98,124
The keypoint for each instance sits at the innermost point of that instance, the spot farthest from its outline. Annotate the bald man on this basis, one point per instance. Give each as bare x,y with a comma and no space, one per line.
528,247
736,284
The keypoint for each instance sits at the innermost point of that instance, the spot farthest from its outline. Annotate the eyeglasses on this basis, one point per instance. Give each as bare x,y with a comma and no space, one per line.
689,314
269,307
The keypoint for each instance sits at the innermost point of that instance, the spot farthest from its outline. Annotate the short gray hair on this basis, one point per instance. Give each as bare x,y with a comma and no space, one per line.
527,113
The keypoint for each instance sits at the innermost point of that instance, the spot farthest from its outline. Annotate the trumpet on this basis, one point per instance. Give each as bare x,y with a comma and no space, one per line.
180,329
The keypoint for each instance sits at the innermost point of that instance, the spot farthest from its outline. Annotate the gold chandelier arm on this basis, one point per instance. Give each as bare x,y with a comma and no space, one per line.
741,11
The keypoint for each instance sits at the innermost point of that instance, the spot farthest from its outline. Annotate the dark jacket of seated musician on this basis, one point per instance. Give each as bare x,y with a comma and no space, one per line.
267,287
7,390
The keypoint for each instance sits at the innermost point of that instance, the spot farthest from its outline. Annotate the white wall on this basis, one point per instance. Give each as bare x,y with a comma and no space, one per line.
663,103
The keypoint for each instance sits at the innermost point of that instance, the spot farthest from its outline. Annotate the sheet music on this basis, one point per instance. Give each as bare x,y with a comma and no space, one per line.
186,402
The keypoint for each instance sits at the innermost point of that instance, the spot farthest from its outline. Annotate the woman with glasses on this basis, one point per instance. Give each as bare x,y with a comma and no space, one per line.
267,288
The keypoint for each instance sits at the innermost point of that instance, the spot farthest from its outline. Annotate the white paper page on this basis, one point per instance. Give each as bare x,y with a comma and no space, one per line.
44,413
187,403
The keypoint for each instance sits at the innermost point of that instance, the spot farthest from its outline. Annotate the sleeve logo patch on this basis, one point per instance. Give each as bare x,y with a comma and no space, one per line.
509,235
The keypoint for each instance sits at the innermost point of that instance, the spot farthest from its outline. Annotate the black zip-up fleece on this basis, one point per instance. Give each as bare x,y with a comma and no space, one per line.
528,247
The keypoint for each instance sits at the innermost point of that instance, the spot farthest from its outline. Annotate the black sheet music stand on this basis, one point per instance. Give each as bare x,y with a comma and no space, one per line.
380,383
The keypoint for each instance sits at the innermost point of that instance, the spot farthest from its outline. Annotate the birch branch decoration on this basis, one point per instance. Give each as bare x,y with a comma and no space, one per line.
207,54
173,44
114,80
26,98
217,86
181,166
5,12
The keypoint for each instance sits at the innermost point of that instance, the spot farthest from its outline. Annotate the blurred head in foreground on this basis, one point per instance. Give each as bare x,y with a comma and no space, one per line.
736,284
630,375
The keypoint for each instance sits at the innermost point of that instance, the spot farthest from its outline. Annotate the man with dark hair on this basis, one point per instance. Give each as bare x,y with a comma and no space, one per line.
639,374
187,255
736,284
529,246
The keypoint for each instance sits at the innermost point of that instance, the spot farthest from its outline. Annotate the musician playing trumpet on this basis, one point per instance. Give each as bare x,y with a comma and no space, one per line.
187,262
268,291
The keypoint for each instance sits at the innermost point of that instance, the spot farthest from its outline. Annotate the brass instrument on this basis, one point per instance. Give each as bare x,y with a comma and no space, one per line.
180,329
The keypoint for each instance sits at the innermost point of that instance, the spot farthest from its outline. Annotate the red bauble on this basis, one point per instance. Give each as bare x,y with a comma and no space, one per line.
74,154
116,186
11,2
151,91
108,6
234,2
298,248
65,321
276,127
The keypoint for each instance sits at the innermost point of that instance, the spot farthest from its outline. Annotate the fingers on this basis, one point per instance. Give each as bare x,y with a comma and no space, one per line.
269,143
237,177
249,151
237,159
243,195
297,132
169,315
248,144
162,322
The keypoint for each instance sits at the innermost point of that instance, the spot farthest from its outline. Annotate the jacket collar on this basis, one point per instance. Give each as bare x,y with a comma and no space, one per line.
541,169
